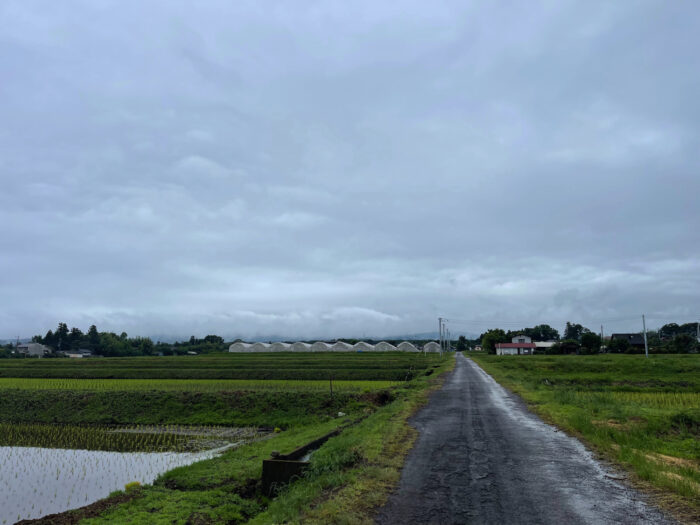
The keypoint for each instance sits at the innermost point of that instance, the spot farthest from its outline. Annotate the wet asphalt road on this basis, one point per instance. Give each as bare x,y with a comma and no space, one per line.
482,457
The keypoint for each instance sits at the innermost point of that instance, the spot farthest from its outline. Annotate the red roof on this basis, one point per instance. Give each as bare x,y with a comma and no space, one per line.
516,345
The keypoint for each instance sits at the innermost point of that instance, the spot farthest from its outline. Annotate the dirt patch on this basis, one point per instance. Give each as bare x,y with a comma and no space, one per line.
673,461
93,510
619,425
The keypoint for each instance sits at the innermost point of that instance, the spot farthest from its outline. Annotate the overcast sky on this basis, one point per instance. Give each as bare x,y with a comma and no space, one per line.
347,168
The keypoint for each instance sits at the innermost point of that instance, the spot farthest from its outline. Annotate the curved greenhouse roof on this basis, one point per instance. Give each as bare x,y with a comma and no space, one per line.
405,346
239,347
340,346
259,347
280,347
383,346
432,346
320,346
363,347
300,347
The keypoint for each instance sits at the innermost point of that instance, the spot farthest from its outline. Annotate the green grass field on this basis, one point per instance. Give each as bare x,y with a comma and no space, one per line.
393,366
642,413
194,385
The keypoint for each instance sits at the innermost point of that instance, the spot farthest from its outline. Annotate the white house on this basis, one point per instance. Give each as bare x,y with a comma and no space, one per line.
521,345
33,349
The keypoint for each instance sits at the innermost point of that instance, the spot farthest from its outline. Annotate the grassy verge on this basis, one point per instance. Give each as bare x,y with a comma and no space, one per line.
350,474
642,414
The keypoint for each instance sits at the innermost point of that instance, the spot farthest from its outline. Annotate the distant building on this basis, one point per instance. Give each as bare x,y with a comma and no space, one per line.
521,345
78,354
634,340
544,345
33,349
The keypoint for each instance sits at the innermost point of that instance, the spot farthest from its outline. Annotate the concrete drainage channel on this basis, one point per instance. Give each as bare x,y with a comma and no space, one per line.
282,469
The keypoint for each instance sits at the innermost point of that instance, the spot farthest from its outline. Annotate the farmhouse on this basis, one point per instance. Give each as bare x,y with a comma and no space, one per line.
635,340
33,349
521,345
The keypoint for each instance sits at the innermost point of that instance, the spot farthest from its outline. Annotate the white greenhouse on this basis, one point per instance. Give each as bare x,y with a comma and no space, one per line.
320,346
383,346
239,347
432,346
259,347
406,347
340,346
280,347
363,347
300,347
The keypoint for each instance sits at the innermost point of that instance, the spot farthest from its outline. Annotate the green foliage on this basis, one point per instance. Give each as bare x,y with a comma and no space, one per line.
490,338
574,331
590,343
619,346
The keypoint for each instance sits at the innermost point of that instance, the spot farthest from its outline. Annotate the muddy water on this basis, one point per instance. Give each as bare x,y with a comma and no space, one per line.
39,481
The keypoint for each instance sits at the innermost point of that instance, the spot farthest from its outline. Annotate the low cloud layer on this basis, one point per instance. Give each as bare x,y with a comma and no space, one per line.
329,169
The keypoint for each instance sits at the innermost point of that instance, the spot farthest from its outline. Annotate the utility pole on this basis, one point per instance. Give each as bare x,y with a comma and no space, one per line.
601,336
440,331
646,345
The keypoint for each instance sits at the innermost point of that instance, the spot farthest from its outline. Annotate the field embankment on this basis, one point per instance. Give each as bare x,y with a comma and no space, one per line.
642,413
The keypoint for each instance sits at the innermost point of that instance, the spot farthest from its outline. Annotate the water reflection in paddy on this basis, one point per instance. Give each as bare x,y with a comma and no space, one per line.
39,481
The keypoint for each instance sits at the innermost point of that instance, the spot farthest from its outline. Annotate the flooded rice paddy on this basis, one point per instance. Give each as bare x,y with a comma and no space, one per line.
36,481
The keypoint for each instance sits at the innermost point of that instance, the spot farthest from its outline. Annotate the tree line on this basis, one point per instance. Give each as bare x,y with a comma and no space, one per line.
110,344
671,338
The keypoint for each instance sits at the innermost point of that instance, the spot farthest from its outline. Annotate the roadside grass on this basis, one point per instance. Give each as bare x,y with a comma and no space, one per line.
641,413
350,475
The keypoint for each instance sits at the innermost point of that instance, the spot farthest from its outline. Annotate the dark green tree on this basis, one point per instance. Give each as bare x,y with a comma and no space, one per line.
490,338
461,344
590,343
574,331
93,338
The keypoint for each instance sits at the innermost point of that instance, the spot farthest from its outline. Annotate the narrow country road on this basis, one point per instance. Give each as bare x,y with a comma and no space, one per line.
482,457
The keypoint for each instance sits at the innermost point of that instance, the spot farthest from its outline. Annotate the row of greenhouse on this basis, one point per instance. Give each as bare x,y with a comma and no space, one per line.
339,346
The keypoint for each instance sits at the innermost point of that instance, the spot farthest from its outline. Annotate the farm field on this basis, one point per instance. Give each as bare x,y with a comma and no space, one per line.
392,366
642,413
131,408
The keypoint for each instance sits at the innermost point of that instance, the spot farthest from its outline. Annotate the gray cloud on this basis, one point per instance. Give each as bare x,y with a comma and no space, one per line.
345,169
